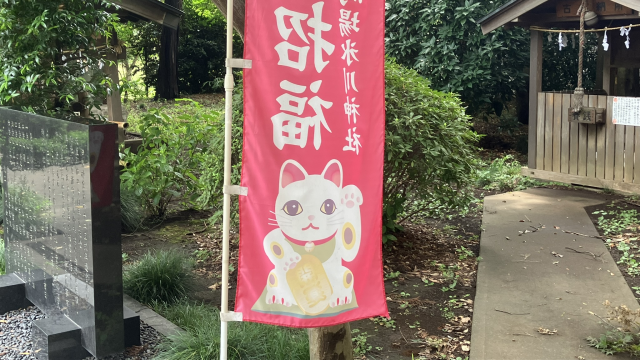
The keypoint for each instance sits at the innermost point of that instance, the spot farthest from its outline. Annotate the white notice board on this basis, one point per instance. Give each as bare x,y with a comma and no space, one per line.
626,111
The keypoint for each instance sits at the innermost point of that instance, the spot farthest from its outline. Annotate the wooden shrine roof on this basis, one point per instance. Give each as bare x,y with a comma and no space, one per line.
538,12
148,10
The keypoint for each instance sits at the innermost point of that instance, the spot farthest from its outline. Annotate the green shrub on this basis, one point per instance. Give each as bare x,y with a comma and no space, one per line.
429,151
42,47
163,276
504,174
169,162
212,179
2,259
131,211
201,341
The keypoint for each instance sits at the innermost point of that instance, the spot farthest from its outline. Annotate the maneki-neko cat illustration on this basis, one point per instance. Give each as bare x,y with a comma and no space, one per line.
318,220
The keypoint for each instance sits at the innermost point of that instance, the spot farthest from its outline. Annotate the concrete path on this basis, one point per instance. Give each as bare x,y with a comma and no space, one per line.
521,276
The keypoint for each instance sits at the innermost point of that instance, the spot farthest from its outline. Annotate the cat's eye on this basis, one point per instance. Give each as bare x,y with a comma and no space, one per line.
328,207
292,208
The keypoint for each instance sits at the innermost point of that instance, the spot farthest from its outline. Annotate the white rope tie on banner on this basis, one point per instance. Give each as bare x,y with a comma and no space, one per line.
239,63
236,190
231,316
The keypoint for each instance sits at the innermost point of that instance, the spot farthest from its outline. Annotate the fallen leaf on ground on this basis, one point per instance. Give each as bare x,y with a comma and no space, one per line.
214,286
544,331
465,348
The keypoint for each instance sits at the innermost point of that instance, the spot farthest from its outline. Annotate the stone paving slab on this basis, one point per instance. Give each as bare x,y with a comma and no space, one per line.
518,276
151,318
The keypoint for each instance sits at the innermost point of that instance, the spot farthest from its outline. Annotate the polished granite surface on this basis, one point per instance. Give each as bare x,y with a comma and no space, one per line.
62,221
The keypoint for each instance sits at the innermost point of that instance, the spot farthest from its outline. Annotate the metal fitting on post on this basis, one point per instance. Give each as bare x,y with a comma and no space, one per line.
229,84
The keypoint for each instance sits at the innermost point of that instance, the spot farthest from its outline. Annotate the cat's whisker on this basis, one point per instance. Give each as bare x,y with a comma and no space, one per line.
281,221
272,224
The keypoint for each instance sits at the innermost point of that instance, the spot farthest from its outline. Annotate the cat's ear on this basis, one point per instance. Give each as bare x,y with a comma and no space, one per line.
291,171
333,172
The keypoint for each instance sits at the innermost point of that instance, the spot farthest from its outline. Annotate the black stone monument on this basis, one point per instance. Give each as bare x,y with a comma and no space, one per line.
62,234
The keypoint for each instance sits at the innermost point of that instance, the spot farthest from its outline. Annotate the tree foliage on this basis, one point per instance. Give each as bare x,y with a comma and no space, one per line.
560,67
49,55
442,40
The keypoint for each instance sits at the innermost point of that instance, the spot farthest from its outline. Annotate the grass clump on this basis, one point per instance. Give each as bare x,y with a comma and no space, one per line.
623,334
2,261
503,174
201,340
163,276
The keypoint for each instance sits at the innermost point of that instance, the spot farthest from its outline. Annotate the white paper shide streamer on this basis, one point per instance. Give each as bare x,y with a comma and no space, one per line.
625,32
605,42
562,40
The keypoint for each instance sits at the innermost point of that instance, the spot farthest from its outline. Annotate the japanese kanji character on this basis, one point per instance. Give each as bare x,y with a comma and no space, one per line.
349,52
285,49
296,18
344,2
319,44
350,108
346,24
349,80
289,129
354,142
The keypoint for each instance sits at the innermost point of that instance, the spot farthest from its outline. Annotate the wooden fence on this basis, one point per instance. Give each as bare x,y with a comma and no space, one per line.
594,155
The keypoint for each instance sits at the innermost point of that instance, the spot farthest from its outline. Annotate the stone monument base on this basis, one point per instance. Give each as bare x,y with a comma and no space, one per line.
58,337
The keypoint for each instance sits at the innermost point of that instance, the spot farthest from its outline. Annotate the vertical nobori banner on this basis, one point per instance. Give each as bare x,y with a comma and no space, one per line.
310,228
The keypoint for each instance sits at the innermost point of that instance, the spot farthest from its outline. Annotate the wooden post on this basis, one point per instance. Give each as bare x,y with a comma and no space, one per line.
331,343
114,103
535,86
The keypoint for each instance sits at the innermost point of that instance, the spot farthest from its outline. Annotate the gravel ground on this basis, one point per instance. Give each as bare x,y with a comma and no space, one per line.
15,338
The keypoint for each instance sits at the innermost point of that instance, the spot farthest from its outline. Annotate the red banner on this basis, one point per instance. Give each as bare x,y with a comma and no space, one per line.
311,225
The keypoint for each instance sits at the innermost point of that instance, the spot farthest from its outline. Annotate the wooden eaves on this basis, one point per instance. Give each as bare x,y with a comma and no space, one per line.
148,10
520,12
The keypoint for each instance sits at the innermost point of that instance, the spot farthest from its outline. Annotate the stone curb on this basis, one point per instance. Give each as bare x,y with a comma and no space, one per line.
151,318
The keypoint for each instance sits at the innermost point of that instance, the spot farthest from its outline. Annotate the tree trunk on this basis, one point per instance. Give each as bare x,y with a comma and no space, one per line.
167,85
238,13
331,343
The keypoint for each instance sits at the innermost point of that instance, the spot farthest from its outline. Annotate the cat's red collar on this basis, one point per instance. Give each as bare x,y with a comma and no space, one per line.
315,242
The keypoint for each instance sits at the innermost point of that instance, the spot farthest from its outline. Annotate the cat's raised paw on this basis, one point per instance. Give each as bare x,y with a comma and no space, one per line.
291,264
351,196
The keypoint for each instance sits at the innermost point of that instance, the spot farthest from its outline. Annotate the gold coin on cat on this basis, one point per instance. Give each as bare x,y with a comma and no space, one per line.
309,246
310,285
